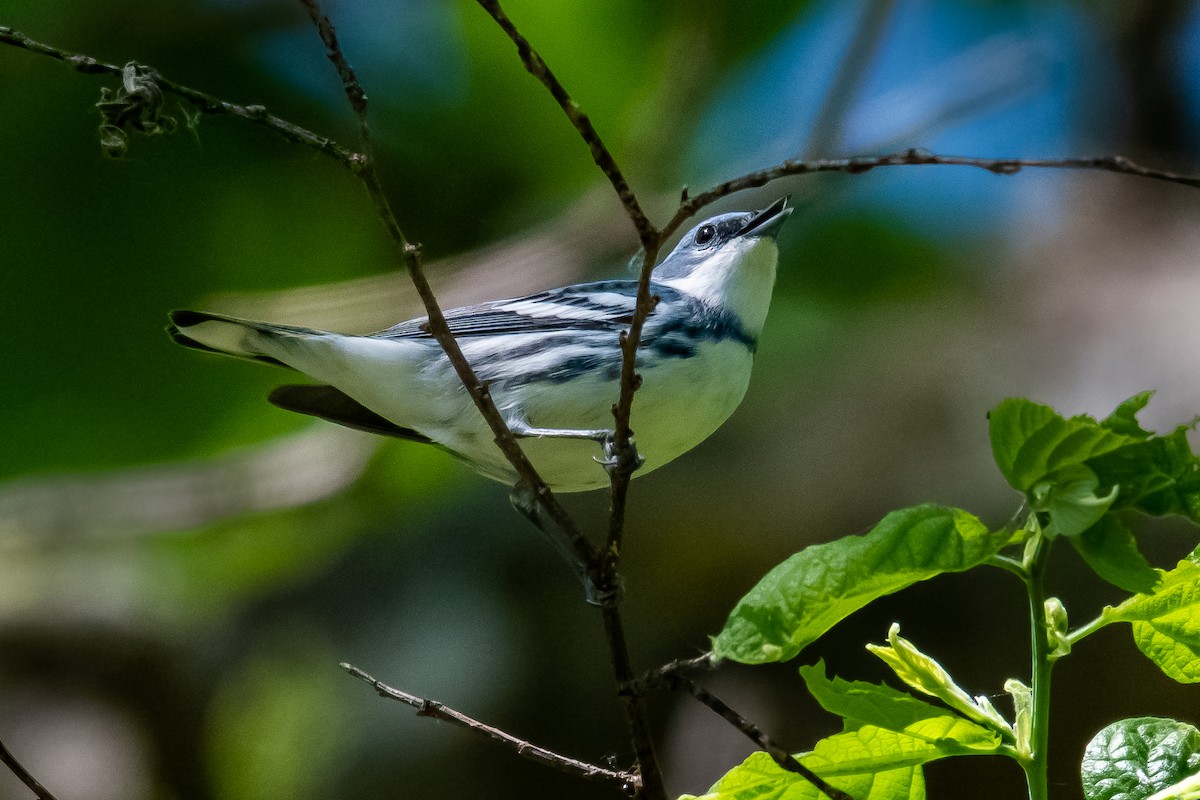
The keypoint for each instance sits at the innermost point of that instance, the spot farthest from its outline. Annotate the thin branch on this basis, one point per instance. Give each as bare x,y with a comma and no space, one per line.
915,157
660,676
438,327
582,123
624,455
9,761
205,103
627,781
781,756
637,720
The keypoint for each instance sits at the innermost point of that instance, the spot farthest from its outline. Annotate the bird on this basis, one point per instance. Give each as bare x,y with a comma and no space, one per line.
552,360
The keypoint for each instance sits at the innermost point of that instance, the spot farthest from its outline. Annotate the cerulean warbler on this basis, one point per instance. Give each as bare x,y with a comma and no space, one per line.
551,360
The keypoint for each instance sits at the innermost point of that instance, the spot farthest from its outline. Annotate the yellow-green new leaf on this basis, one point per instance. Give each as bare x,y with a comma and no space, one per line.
1166,623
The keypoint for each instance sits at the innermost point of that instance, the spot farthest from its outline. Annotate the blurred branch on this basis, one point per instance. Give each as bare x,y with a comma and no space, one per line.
584,237
781,757
998,71
205,103
286,472
9,761
627,781
826,130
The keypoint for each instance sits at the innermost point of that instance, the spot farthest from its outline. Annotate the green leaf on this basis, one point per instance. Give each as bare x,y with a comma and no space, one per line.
1030,441
1123,420
934,732
1172,642
1166,624
1186,789
857,772
1070,497
1040,453
813,590
1110,549
1134,758
1158,476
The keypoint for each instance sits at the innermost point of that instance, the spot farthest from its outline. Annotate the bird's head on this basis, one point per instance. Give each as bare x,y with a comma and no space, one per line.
729,261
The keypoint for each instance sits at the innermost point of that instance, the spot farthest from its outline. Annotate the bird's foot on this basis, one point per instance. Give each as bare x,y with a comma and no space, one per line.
620,460
625,460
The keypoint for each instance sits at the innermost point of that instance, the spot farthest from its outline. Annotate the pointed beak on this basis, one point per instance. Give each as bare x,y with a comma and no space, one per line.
768,221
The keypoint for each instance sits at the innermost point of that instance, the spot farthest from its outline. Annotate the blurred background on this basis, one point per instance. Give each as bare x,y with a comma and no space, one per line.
182,566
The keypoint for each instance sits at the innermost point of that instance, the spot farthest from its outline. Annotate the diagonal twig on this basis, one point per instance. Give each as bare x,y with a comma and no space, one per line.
781,756
627,781
651,241
34,785
438,327
205,103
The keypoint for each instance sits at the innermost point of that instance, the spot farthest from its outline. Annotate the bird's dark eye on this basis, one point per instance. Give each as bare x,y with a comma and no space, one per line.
705,234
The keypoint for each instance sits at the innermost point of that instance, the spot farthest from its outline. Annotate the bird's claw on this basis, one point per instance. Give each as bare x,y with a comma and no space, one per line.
624,461
607,597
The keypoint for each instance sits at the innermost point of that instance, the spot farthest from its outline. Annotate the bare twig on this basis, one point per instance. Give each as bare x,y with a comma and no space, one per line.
205,103
781,756
915,157
438,326
625,454
651,240
661,676
627,781
9,761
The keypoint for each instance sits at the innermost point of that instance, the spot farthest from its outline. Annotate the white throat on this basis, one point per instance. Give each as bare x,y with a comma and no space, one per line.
738,278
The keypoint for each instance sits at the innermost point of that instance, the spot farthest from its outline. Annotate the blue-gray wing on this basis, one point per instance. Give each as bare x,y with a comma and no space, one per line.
604,305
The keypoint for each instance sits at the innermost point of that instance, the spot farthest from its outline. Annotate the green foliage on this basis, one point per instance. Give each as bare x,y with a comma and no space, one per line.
1075,475
1145,757
854,761
821,585
935,732
1166,623
1073,468
929,677
1110,549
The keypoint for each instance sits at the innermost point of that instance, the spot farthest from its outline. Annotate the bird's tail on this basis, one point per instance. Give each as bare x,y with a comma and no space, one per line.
216,333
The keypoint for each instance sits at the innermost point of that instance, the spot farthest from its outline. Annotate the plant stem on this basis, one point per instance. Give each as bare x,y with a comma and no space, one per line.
1036,765
1084,631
